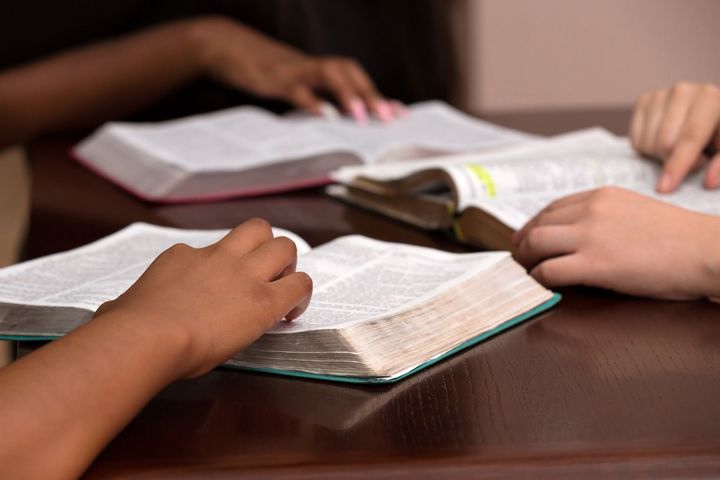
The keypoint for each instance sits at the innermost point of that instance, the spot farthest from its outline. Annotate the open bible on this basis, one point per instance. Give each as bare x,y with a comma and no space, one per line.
380,311
248,151
482,198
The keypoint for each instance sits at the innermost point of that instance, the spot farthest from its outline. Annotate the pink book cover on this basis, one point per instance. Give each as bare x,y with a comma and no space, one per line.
212,197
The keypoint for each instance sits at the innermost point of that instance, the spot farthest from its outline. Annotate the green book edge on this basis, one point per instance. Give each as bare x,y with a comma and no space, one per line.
551,302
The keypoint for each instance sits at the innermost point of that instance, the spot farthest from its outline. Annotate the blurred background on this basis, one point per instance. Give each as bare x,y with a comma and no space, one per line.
529,55
487,56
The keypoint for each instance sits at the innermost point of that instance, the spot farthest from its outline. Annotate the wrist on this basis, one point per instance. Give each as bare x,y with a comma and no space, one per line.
162,344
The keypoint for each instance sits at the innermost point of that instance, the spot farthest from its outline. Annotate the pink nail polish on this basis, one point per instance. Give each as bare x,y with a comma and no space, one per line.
384,112
358,111
398,108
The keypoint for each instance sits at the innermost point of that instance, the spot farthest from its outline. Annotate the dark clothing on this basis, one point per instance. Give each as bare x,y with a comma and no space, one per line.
404,44
32,29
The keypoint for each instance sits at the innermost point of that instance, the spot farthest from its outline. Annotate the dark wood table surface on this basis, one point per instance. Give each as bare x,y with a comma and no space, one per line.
601,386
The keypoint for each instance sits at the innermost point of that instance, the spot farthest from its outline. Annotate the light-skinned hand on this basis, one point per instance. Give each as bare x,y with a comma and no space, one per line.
620,240
680,127
244,58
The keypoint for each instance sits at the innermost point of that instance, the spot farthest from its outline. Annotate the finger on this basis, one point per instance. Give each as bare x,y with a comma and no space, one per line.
330,77
356,108
676,111
399,109
245,238
637,124
702,121
365,88
653,118
303,97
383,110
560,216
295,292
572,199
576,198
561,271
712,174
273,259
545,242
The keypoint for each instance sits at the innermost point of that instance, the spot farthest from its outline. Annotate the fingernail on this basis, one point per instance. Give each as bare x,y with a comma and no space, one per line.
665,183
384,111
358,111
398,108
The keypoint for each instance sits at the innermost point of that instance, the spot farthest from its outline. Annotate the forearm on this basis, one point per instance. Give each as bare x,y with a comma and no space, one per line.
105,80
63,403
191,310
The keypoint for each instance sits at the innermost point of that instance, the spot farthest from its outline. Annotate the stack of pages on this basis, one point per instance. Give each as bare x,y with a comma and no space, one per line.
380,311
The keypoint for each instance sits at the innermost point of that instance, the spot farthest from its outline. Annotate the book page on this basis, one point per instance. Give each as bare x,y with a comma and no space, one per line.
691,195
429,129
384,172
565,164
359,279
235,139
355,278
246,137
515,185
507,161
516,210
88,276
513,211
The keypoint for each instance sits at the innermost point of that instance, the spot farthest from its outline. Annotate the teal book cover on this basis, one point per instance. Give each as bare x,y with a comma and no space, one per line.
368,380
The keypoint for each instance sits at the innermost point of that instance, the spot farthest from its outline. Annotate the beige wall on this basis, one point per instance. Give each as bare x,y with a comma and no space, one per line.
538,54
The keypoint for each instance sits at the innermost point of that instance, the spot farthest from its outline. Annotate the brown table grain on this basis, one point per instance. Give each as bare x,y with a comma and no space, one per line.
601,386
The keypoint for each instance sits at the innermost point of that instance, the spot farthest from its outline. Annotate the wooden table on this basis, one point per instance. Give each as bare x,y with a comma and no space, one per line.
601,386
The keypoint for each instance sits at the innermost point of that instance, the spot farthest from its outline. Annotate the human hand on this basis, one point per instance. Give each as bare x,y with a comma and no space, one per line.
676,126
217,299
620,240
243,58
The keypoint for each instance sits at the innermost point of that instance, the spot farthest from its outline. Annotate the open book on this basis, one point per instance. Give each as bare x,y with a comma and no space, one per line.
248,151
484,197
379,312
